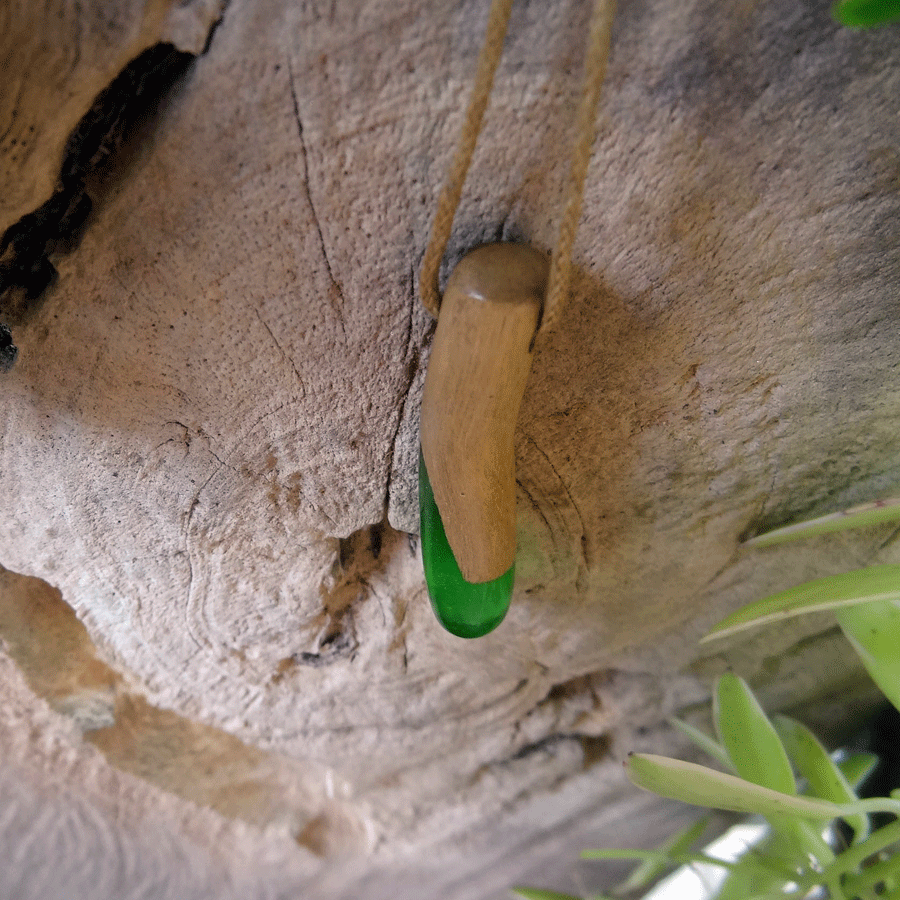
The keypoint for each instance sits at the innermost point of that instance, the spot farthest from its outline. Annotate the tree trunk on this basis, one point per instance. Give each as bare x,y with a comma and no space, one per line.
212,237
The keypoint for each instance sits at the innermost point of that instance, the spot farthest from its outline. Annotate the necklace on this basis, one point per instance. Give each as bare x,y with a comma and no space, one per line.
496,302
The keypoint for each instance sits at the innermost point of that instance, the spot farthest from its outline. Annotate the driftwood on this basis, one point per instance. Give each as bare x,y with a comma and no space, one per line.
210,429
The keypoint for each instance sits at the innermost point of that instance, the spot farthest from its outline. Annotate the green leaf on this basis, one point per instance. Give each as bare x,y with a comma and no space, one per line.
876,880
856,517
755,749
874,631
540,894
769,865
780,895
652,867
885,838
702,786
658,856
866,13
832,593
826,781
857,767
752,744
740,884
702,740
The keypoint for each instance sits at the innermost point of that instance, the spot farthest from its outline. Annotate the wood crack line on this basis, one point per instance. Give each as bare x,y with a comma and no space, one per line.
281,350
337,295
571,499
412,359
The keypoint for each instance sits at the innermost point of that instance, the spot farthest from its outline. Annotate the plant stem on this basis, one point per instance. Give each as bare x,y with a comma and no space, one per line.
871,876
834,888
812,841
852,858
677,859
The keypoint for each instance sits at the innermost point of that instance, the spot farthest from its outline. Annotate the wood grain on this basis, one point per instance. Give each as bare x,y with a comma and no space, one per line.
208,442
477,372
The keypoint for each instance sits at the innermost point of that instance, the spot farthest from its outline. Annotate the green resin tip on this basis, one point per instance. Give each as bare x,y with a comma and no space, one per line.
464,609
866,13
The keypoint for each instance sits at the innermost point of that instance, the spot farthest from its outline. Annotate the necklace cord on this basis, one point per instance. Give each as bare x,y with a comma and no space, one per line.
488,60
596,57
595,61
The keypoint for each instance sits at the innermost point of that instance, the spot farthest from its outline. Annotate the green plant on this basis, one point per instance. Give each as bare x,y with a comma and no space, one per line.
865,602
866,13
802,854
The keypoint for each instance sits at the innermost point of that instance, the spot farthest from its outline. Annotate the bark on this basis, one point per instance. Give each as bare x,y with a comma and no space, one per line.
210,431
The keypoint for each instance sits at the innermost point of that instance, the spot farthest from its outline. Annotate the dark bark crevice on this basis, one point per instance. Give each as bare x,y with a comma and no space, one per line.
92,161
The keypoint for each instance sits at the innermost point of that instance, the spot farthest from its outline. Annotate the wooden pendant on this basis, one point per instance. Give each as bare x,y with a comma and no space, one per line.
479,365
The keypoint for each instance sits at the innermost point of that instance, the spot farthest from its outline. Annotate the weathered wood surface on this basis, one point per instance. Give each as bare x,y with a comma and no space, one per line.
55,60
209,438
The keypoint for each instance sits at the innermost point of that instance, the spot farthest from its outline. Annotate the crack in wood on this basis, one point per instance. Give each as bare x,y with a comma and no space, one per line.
593,747
281,350
90,157
585,556
537,508
8,350
336,294
413,359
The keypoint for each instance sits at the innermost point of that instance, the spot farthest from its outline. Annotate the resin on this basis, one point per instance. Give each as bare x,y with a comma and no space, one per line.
464,609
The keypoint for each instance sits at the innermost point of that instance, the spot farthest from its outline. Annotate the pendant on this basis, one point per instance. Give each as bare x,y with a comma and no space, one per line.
464,609
477,372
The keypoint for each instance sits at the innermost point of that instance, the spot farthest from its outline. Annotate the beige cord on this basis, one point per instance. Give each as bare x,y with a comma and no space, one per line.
561,260
585,130
489,58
